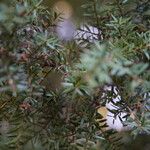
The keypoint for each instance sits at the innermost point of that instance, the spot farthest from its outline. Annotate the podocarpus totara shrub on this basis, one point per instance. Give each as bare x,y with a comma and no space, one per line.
50,89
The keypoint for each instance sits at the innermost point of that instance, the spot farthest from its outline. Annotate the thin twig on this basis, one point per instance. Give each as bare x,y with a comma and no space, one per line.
35,7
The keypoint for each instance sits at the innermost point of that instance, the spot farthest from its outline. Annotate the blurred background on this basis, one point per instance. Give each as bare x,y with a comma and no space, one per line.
72,7
71,12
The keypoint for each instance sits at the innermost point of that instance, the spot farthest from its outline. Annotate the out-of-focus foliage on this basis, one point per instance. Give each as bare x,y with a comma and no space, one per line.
50,89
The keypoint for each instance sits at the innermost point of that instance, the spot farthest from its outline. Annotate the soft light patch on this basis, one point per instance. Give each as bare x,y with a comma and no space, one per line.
64,8
112,122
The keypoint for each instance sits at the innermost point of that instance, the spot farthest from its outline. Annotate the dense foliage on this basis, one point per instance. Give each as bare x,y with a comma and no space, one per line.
50,89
